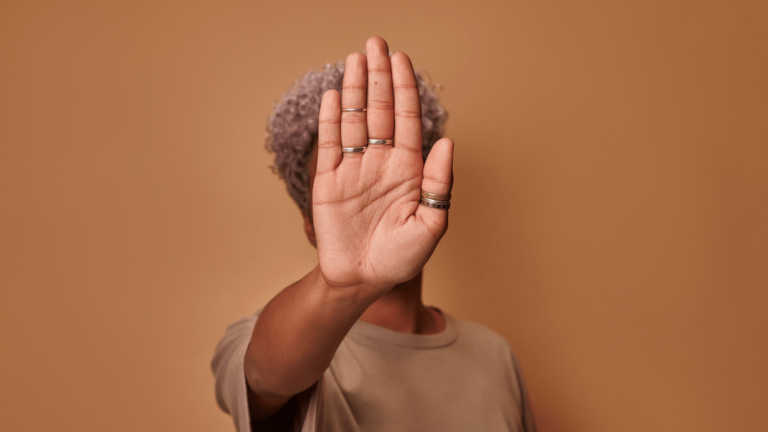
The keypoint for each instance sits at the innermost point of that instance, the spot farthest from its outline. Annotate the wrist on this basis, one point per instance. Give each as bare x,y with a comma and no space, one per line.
351,293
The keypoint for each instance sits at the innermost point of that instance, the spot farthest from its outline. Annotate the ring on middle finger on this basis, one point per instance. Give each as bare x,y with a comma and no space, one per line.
380,141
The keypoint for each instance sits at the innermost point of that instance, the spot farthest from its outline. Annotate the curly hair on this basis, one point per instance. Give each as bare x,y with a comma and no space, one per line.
292,127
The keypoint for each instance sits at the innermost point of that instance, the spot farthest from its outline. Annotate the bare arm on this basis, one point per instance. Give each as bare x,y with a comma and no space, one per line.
371,231
295,338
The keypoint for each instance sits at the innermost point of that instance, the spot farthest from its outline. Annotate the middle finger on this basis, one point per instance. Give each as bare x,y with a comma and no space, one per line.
381,116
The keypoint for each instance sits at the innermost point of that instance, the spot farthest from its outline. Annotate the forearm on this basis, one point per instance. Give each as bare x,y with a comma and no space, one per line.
297,334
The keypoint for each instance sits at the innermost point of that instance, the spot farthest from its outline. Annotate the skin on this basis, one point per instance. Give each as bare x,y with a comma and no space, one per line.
372,236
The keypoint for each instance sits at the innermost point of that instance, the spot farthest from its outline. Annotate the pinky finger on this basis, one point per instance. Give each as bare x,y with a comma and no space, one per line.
329,133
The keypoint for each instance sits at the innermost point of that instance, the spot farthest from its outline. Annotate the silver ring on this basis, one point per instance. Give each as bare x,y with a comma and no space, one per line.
381,141
354,109
353,149
434,196
443,205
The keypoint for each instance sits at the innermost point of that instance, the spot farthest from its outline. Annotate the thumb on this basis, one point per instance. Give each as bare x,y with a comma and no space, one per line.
438,179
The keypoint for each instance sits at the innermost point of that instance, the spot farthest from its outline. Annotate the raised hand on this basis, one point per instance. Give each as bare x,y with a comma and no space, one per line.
371,231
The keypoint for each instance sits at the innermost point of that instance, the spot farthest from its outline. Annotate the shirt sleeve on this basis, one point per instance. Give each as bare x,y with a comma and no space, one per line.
229,372
529,425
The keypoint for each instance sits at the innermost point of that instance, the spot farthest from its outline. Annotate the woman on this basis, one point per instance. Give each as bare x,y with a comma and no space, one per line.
351,346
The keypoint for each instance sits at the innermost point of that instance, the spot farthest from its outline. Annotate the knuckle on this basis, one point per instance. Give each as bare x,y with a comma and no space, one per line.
437,181
409,148
380,104
408,114
329,143
353,120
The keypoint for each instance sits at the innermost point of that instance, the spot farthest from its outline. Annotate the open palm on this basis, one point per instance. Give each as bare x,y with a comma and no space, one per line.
369,225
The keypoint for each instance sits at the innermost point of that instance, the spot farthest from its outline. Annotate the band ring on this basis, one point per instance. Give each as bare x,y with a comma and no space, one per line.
434,196
353,149
381,141
438,204
354,109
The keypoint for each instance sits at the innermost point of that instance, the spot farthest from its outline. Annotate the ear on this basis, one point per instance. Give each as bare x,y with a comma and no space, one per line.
309,229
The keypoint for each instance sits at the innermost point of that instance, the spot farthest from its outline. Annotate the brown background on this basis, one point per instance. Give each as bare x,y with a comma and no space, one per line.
610,211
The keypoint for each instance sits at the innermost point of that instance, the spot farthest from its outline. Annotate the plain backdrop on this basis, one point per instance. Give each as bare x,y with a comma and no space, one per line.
610,211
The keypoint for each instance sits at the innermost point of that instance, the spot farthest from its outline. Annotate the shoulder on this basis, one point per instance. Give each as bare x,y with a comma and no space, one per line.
496,356
479,333
237,330
245,321
483,341
227,366
233,343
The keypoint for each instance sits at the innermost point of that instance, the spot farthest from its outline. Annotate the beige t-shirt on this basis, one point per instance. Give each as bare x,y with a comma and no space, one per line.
463,379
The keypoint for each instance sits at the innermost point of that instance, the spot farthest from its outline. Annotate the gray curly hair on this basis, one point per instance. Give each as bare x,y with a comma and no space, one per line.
292,127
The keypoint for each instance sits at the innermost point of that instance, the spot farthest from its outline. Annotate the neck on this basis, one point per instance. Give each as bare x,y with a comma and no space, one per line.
402,310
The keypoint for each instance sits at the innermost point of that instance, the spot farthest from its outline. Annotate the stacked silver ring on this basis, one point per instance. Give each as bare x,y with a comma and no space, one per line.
434,200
